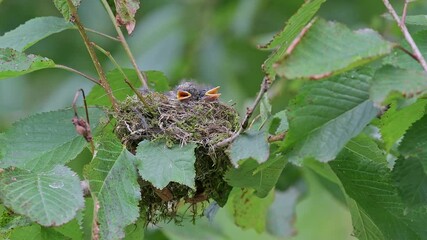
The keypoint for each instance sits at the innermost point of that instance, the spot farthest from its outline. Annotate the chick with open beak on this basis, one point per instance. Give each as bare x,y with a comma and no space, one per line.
194,92
189,91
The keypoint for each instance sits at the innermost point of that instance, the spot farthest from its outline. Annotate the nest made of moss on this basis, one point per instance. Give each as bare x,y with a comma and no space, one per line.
205,123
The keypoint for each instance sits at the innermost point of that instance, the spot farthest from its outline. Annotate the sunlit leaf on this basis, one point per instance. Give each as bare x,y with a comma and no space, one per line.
113,178
389,79
156,80
261,177
251,144
326,114
50,198
284,38
45,140
161,165
364,174
126,10
64,9
14,63
250,211
324,51
394,122
33,31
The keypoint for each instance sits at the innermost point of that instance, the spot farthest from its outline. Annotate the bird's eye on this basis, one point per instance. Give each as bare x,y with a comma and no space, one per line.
182,95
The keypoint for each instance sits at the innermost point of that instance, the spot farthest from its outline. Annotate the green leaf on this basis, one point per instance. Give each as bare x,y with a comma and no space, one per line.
14,63
394,122
126,10
283,39
113,178
326,114
251,144
279,123
414,143
44,140
330,41
161,165
250,211
411,179
281,214
64,9
261,177
388,79
403,60
420,20
50,198
265,108
32,31
364,174
156,80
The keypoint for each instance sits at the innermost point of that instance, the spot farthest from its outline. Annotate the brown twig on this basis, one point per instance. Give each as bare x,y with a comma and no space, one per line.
276,138
102,78
416,52
125,45
249,111
92,79
102,34
82,126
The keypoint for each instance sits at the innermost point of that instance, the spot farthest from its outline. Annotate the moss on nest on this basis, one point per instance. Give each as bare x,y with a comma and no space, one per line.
201,122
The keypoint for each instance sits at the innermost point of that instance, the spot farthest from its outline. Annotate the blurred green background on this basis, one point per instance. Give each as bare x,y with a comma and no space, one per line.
211,41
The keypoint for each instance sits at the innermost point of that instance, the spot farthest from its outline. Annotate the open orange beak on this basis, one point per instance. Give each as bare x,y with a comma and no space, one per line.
213,94
182,95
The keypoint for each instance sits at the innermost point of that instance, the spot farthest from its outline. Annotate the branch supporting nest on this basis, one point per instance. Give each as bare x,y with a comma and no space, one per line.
249,111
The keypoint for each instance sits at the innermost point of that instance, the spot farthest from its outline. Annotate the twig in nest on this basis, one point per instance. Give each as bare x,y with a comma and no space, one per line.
249,111
401,23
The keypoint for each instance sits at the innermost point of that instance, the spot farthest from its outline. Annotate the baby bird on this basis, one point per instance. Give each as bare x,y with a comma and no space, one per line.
190,91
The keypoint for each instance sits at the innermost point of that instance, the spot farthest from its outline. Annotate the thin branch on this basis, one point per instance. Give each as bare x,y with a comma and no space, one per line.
125,78
416,52
102,78
407,52
405,10
249,111
92,79
125,45
102,34
276,138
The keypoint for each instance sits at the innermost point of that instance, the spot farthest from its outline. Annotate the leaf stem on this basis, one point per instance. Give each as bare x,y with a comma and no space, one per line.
125,45
92,79
416,52
249,111
102,78
125,78
102,34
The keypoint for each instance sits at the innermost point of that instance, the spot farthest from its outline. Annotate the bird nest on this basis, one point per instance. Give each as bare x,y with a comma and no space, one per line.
205,123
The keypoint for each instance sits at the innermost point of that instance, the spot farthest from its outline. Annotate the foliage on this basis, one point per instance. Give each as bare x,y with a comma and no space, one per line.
350,133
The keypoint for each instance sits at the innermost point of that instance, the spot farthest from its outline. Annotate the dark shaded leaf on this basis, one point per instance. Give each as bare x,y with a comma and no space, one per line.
376,209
